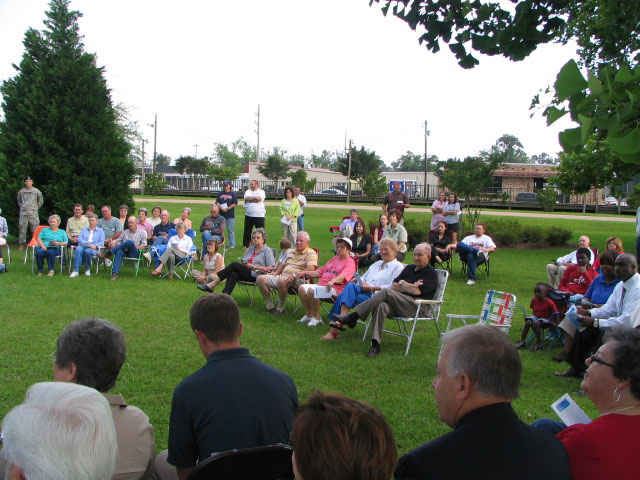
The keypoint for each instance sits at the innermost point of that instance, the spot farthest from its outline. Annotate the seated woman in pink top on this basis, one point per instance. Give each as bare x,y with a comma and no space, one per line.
332,278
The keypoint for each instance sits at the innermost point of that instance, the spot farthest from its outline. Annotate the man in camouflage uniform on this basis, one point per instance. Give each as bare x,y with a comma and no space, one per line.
29,201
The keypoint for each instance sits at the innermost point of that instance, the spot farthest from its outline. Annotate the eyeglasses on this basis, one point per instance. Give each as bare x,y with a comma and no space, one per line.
593,358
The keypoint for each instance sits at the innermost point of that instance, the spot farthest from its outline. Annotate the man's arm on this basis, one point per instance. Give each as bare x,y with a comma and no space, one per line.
183,473
40,199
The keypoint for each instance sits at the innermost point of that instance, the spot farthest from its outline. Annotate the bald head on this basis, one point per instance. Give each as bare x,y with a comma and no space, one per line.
625,266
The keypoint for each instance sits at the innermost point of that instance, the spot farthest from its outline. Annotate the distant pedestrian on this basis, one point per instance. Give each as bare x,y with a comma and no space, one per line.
29,202
255,210
227,201
303,201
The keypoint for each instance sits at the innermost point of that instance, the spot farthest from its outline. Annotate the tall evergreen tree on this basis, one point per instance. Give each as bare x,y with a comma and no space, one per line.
60,126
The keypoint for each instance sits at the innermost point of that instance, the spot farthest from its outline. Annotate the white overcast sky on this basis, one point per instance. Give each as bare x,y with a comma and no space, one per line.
318,69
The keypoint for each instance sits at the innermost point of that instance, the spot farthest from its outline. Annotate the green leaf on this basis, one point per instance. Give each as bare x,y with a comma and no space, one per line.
607,122
628,144
585,126
595,86
569,81
624,75
554,114
571,139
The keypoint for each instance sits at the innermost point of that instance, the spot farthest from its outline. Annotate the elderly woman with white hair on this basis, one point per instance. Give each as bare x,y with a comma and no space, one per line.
184,218
178,248
49,242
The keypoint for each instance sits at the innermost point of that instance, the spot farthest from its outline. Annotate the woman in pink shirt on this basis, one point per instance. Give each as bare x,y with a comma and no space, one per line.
332,278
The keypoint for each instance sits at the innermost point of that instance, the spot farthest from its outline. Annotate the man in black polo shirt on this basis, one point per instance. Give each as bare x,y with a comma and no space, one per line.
234,401
419,280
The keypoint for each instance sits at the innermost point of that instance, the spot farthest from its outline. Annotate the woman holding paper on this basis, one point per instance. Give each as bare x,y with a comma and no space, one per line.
608,446
289,209
332,279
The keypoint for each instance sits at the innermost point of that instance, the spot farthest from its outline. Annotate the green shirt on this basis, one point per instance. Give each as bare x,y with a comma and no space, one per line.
399,234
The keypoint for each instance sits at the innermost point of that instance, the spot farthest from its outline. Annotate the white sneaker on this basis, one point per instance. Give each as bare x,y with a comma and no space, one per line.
87,272
471,282
51,273
107,262
147,255
74,274
304,319
314,322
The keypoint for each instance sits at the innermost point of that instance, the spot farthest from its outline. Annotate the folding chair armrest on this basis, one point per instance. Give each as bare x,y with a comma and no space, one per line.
429,302
463,317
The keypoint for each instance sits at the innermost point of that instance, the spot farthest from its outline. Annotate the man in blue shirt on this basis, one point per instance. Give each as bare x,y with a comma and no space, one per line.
227,201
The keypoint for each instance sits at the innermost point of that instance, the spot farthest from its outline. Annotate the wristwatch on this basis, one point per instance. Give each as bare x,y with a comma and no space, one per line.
596,323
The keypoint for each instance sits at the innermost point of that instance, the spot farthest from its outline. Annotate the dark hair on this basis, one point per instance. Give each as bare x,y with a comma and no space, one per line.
484,226
626,356
584,251
455,196
340,438
395,212
158,207
293,194
96,347
217,316
77,205
608,257
212,241
442,222
364,227
541,286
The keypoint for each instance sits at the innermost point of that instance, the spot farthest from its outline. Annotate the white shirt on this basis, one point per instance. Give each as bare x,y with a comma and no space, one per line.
381,274
618,310
303,201
185,243
573,258
483,241
255,209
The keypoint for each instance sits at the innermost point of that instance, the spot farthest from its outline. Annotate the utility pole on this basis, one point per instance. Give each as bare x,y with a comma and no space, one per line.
143,165
426,161
258,134
196,145
349,175
155,138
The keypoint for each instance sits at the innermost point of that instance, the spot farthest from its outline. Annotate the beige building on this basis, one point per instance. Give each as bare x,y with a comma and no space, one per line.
322,175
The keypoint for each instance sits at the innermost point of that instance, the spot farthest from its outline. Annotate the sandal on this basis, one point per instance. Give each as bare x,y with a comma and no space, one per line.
521,345
338,326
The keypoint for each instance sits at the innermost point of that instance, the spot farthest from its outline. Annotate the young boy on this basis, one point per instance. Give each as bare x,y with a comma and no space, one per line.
543,308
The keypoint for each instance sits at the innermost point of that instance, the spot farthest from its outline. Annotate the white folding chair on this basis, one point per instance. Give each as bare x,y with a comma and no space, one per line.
426,310
497,311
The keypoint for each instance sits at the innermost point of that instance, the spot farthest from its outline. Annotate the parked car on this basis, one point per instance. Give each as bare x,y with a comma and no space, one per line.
332,191
527,197
611,201
170,187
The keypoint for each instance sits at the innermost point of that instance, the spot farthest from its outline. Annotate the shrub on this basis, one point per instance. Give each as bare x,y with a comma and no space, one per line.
547,197
556,236
533,235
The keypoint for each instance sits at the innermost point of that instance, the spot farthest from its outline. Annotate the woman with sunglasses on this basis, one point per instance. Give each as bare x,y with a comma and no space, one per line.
607,447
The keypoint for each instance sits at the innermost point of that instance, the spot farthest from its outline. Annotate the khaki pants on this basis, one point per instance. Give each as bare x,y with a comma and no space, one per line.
384,304
554,274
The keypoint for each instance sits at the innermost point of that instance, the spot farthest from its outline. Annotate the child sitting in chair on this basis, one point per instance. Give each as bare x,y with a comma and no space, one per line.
543,308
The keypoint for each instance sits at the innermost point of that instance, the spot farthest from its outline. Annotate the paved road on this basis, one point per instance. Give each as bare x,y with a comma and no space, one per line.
494,213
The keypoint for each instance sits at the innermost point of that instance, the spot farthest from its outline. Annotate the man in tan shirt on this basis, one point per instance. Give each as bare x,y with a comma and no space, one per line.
75,225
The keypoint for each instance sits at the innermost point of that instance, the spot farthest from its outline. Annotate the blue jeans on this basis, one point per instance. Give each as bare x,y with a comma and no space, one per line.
126,249
301,223
207,235
470,256
351,296
231,232
51,253
83,256
550,426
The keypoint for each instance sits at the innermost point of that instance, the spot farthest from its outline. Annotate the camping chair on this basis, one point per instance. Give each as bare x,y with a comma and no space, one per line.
482,263
425,310
497,311
251,294
33,243
33,246
293,292
138,260
71,257
184,265
335,230
8,251
444,264
271,462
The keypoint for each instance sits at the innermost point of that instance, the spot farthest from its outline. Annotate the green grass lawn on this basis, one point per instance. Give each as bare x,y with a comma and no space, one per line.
162,350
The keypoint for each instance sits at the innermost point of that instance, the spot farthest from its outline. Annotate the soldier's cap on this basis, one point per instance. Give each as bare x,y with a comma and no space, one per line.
27,178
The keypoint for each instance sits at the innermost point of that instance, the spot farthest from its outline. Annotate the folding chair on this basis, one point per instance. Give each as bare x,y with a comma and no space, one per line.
246,285
271,462
425,310
335,230
33,243
8,251
184,265
61,256
138,260
483,263
497,311
71,257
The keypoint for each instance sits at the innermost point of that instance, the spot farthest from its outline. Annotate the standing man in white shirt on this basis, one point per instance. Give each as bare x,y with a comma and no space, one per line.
255,210
303,201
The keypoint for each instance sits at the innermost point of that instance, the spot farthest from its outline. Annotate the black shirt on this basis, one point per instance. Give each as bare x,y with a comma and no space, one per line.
161,229
429,278
361,247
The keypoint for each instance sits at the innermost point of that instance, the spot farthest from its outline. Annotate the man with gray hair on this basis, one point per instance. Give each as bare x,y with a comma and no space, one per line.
62,430
419,280
212,226
477,378
91,352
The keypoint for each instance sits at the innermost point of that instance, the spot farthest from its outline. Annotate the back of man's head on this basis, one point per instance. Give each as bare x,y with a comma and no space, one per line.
217,316
96,347
487,356
62,430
